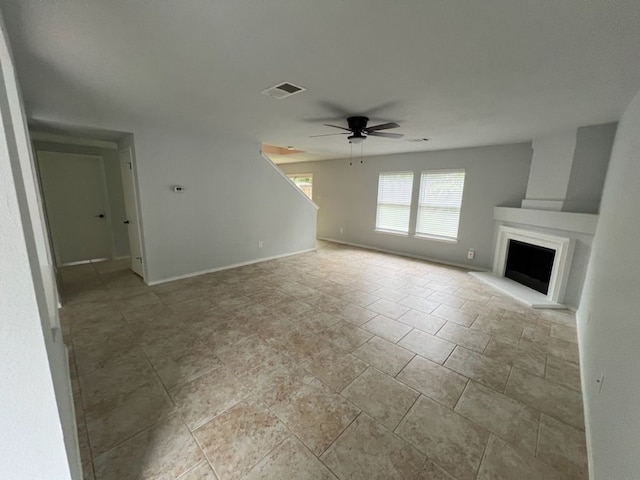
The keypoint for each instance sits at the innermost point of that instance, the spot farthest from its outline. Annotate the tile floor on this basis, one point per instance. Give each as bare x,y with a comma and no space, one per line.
339,364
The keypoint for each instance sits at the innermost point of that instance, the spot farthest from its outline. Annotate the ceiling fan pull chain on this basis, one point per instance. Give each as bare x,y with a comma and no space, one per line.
351,154
361,150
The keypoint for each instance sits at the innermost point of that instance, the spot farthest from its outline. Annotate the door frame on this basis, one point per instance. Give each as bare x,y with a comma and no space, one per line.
105,199
129,150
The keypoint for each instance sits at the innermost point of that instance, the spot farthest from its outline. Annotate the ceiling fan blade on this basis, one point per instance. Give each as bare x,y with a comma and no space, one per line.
336,126
386,134
383,126
329,134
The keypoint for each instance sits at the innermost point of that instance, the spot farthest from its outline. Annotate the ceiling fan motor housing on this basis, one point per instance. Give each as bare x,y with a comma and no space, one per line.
357,125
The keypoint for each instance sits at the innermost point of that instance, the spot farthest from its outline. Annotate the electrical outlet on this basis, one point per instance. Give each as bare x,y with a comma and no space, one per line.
341,230
260,244
471,253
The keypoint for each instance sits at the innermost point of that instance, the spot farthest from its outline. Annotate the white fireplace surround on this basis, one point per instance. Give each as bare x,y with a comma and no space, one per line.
563,248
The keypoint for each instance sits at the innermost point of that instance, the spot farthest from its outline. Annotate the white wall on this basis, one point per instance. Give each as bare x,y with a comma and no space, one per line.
609,315
37,439
114,187
347,195
233,199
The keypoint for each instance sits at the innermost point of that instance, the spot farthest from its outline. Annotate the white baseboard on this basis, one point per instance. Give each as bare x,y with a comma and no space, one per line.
227,267
404,254
83,262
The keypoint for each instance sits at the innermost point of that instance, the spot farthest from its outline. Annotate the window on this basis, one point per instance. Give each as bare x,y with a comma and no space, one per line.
439,203
394,201
304,181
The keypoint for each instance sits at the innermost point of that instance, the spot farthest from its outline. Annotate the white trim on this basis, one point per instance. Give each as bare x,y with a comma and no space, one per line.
284,175
228,267
519,292
561,262
291,176
584,374
130,150
71,140
404,254
391,232
568,221
540,204
434,238
82,262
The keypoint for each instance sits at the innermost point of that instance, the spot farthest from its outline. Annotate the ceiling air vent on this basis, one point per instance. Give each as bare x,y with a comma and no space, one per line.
283,90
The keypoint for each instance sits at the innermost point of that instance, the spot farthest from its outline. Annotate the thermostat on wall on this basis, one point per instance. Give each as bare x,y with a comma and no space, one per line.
178,188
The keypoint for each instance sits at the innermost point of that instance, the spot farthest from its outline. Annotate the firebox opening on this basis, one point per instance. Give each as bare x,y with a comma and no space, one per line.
530,265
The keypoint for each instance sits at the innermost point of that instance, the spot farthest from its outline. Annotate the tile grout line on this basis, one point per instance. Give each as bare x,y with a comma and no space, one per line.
340,434
206,458
405,416
482,457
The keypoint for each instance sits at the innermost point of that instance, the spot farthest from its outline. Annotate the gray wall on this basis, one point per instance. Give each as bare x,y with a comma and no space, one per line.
347,196
609,314
114,187
589,167
233,199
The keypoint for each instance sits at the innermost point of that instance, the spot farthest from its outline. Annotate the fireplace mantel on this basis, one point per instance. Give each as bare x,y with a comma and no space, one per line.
584,223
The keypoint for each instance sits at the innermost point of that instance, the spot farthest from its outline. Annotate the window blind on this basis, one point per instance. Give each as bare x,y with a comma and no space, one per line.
394,201
439,203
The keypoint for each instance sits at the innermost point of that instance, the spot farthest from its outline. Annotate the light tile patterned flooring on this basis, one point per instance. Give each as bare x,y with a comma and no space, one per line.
343,363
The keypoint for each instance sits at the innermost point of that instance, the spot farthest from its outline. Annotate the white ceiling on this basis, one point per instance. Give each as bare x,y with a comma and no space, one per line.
462,73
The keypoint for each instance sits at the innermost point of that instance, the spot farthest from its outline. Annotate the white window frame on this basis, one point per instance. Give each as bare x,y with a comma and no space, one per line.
293,176
408,204
421,204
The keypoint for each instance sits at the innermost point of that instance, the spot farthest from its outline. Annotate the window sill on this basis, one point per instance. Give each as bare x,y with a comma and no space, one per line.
391,232
436,239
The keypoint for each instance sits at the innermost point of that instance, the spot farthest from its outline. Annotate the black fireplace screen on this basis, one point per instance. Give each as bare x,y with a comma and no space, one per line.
530,265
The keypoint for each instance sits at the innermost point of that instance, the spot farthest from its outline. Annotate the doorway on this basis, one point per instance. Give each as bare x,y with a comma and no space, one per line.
76,205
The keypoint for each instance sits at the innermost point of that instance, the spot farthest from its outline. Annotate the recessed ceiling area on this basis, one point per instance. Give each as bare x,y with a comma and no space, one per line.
459,73
285,154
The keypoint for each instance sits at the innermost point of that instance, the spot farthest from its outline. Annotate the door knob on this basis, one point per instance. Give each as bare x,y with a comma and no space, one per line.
100,216
126,221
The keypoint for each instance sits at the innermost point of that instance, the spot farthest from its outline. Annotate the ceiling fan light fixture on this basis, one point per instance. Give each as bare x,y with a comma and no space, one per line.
355,139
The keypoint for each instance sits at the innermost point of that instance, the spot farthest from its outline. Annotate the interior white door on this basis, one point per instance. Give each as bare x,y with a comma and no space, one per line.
130,206
74,191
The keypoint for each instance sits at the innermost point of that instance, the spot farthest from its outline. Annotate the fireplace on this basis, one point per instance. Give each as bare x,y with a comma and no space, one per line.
539,248
568,234
530,265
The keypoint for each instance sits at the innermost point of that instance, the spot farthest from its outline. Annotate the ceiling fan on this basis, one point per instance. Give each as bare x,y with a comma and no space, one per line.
359,130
